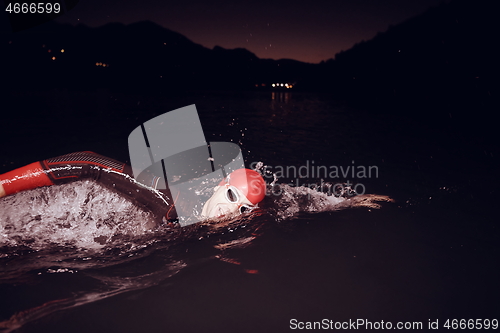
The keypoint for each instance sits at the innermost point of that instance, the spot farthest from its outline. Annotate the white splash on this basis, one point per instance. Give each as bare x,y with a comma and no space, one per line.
289,201
82,214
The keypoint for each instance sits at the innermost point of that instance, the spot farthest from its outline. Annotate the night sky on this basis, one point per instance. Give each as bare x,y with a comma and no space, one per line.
308,31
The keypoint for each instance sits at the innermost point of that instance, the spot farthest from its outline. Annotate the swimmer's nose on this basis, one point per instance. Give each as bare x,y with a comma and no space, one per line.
222,211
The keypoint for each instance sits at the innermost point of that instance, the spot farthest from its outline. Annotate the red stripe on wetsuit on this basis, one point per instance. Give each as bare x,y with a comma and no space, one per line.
57,170
25,178
63,169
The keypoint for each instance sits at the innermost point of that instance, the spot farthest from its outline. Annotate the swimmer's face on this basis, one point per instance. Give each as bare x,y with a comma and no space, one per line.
226,200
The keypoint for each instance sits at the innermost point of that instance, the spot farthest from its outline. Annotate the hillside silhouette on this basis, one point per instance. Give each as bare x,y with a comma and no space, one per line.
138,55
446,55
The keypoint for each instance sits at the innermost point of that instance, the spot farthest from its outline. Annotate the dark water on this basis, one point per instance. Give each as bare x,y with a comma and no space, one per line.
432,254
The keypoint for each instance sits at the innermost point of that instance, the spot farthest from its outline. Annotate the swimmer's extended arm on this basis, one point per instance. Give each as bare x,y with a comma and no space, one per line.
59,170
79,166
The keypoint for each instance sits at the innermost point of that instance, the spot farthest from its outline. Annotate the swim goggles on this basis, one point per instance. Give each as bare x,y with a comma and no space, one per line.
232,196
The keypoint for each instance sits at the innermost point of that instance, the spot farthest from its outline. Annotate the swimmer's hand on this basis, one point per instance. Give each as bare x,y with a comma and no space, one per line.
2,191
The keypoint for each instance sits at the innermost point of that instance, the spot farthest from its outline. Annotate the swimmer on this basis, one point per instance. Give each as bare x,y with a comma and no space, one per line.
240,191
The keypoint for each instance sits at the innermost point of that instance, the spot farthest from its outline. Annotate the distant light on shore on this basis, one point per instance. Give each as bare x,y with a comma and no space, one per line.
284,85
277,85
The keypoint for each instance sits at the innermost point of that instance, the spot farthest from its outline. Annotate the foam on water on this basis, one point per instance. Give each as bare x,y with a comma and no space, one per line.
292,200
288,201
86,215
86,230
81,214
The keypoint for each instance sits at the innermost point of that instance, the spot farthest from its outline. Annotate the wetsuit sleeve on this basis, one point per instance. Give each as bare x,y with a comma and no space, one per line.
24,178
112,174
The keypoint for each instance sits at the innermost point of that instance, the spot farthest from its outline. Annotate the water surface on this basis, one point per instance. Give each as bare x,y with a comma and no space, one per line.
79,257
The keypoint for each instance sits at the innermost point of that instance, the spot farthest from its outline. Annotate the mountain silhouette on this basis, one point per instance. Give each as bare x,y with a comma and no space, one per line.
141,54
446,55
